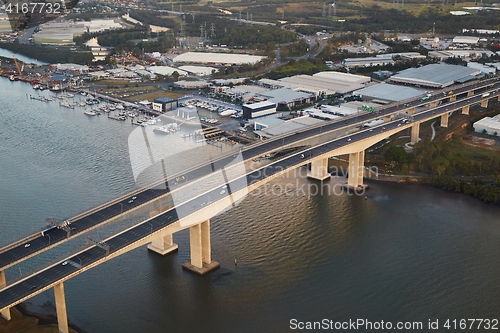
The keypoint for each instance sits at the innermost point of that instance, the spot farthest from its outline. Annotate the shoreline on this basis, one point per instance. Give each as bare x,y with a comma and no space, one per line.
25,320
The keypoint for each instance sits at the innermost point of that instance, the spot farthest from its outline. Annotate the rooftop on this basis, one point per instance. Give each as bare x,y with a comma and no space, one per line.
433,75
389,92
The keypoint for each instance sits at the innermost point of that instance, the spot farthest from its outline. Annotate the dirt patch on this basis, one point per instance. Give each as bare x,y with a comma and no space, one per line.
482,142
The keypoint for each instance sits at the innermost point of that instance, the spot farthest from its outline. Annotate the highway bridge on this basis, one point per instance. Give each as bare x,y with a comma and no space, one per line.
313,145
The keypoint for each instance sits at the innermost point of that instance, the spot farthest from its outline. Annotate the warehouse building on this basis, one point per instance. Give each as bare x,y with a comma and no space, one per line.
489,124
384,92
258,109
434,75
286,98
217,58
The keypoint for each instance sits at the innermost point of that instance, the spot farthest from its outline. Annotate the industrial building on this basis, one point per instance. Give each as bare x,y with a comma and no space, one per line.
183,84
383,92
164,104
465,40
199,70
258,109
217,58
278,128
489,124
367,62
166,70
320,84
434,75
286,98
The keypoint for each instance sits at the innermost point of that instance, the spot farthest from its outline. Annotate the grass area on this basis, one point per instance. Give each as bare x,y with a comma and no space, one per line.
155,94
112,82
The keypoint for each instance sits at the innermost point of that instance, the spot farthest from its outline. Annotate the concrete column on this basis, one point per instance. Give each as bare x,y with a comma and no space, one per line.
465,109
3,283
62,316
498,98
453,98
199,243
319,169
444,120
163,245
433,104
484,103
355,169
415,131
387,118
470,93
411,110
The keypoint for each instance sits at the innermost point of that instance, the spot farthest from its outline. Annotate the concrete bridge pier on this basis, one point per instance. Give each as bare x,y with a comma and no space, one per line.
498,98
411,110
163,245
62,316
356,169
319,169
3,283
484,103
470,93
444,120
201,257
465,109
433,104
387,118
453,98
415,131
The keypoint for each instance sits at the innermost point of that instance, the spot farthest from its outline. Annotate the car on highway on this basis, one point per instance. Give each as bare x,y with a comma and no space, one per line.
222,192
133,198
130,201
65,262
348,139
27,245
32,287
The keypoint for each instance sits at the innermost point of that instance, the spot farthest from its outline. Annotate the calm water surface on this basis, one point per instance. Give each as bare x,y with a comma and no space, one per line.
407,253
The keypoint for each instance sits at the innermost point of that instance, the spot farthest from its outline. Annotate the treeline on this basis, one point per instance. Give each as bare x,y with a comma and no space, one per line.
303,66
295,49
49,54
257,36
450,167
487,192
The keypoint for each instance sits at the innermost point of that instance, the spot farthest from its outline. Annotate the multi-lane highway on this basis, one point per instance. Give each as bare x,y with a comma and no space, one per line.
38,243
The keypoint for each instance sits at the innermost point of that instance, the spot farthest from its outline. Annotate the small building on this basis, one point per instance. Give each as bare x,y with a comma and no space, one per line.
183,84
489,124
465,40
164,104
367,62
286,98
258,109
266,122
381,75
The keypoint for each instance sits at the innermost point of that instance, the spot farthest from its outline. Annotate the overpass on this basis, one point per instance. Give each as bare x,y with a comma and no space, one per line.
313,146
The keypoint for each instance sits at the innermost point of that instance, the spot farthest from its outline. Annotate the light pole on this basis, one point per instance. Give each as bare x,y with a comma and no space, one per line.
49,237
121,211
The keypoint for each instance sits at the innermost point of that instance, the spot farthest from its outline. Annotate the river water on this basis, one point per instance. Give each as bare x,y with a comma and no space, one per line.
407,253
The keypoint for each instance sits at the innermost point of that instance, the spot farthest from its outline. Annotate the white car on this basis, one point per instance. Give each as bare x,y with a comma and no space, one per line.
27,245
224,187
222,192
65,262
133,198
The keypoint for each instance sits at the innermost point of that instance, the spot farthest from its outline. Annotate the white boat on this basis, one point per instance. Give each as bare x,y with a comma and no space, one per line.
227,113
90,113
161,129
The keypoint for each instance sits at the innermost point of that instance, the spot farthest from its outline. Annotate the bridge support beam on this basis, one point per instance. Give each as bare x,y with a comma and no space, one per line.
453,98
387,118
319,169
356,169
3,283
465,109
433,104
498,98
444,120
470,93
415,131
411,110
163,245
484,103
62,316
201,258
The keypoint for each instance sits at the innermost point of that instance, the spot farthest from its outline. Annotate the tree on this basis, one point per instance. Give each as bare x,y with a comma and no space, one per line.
175,75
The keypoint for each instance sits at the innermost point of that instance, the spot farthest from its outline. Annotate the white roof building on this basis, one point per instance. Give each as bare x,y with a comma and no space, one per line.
465,40
489,124
217,58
